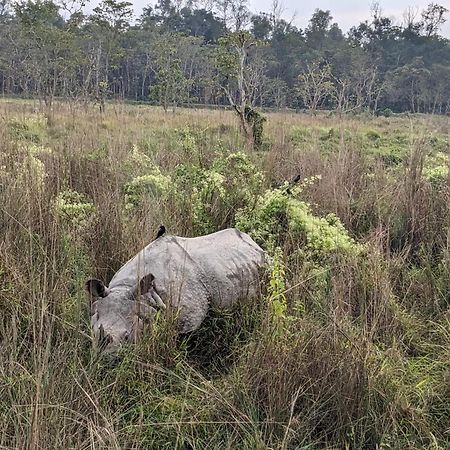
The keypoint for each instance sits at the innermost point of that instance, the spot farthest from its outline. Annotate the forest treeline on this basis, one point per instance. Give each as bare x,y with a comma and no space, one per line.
219,53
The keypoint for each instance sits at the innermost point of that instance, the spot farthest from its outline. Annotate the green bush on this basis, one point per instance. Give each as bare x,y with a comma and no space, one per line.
32,128
279,216
213,195
74,209
373,135
146,188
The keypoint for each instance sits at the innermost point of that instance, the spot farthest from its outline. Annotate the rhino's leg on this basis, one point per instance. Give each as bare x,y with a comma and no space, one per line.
188,299
193,309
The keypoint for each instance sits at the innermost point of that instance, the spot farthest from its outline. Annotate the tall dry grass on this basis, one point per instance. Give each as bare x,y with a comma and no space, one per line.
360,358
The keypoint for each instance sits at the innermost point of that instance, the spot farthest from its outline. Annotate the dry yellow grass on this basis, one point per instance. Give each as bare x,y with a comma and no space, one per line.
359,358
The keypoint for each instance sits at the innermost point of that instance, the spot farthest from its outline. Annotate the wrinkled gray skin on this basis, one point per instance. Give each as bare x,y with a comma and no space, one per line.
190,274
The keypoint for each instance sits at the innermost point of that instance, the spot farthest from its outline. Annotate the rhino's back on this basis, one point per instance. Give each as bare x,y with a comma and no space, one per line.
230,261
223,265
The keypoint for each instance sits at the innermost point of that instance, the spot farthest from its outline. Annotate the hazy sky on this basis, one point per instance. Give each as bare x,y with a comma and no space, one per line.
345,12
350,12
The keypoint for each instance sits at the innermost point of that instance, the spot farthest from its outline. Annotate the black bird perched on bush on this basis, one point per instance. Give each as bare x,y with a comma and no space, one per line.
294,180
161,231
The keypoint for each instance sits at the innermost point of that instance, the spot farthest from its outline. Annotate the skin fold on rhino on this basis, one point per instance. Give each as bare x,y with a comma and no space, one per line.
187,274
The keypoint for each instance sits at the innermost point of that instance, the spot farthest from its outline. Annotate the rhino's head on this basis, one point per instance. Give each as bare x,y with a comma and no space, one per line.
117,315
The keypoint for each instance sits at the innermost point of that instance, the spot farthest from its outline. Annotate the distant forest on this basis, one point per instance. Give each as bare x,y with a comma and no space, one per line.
219,53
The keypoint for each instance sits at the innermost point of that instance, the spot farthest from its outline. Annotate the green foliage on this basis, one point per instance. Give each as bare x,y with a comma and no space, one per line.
138,162
31,129
172,85
327,139
279,217
214,195
373,135
145,188
436,169
390,147
232,47
181,53
256,121
74,209
386,112
276,290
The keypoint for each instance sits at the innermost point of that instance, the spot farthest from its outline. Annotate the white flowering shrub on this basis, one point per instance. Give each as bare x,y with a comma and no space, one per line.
27,172
436,169
138,161
30,128
74,209
36,149
31,173
279,215
213,195
145,187
242,181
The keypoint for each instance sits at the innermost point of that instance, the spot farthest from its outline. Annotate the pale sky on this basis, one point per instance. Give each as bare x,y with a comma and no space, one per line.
350,12
345,12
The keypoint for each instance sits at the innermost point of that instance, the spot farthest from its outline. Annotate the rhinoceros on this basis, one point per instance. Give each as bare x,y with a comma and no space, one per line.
188,274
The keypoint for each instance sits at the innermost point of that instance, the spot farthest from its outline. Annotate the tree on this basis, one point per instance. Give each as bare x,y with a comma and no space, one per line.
408,83
315,85
236,71
202,23
261,26
171,84
233,13
5,11
47,47
108,23
316,32
433,17
439,88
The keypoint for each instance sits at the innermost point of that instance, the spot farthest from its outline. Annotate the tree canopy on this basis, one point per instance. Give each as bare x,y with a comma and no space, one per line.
169,56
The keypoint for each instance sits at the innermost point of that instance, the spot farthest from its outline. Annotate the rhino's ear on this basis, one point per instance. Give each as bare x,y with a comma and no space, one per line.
96,288
145,284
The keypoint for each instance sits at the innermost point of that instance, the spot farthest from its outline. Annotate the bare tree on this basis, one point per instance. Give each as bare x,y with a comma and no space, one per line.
433,17
315,84
233,13
410,18
241,79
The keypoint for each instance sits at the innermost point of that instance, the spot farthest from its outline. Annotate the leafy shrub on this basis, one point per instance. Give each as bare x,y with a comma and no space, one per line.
213,195
277,287
437,176
436,169
326,134
145,187
36,149
256,120
32,128
279,216
300,135
387,112
74,209
373,135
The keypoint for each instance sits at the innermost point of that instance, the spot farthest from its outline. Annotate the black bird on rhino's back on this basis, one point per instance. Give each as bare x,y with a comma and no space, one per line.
161,231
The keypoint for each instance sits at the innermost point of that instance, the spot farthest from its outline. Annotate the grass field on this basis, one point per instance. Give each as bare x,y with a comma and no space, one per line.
349,348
